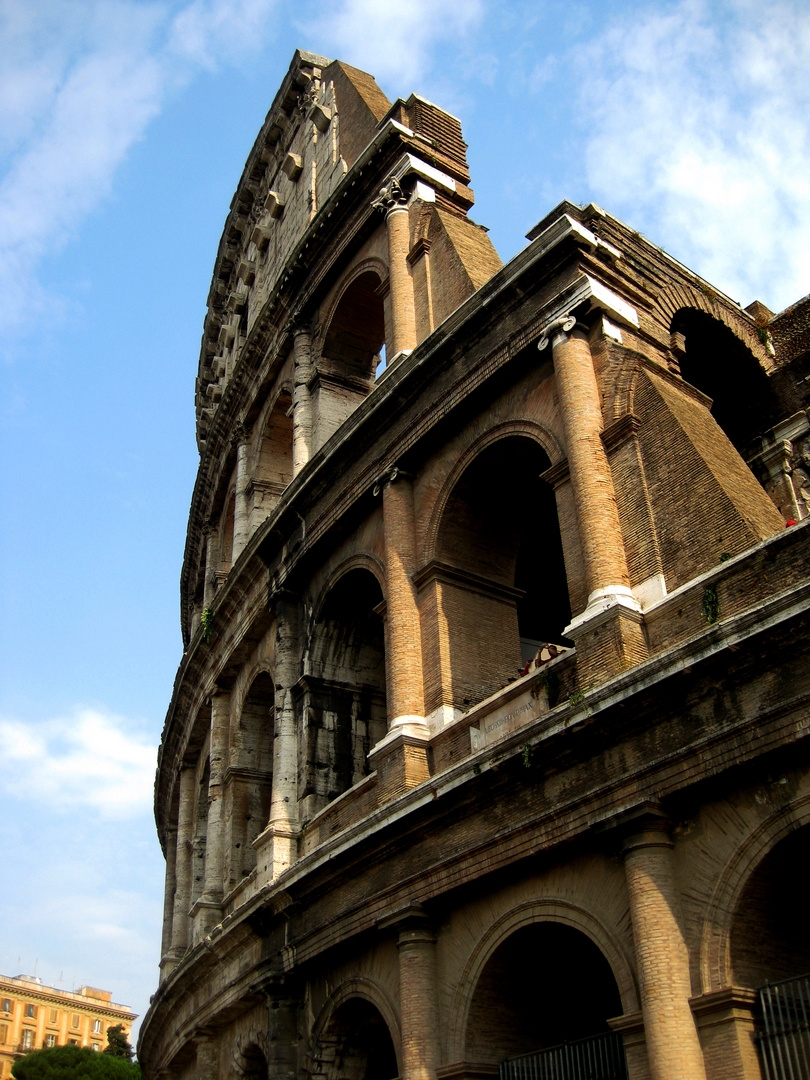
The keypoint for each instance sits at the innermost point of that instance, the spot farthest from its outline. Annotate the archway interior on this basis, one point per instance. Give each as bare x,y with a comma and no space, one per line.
769,939
356,334
345,705
254,1064
358,1044
546,984
500,533
251,774
720,366
200,834
226,536
274,465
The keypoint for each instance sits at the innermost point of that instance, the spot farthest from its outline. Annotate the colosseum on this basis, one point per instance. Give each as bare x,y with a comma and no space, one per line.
487,754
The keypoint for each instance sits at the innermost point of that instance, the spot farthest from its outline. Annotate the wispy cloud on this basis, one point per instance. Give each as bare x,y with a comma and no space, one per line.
210,32
697,119
398,41
88,760
81,81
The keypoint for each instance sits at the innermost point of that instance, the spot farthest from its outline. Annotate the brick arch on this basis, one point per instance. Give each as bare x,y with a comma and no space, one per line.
715,945
244,1047
359,986
526,914
371,265
528,428
264,666
677,297
355,562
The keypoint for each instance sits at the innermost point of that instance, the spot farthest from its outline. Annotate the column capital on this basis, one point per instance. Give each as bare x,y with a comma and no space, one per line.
391,197
299,323
239,433
390,476
557,328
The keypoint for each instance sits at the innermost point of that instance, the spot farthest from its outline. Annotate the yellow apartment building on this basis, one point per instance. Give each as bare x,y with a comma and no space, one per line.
33,1016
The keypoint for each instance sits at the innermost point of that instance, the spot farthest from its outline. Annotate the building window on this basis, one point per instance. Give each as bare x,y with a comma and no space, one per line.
27,1039
96,1027
3,1033
6,1004
50,1040
75,1020
73,1042
31,1012
53,1016
95,1046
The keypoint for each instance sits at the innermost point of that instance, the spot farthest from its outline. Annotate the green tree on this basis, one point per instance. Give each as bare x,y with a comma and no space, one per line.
73,1063
117,1043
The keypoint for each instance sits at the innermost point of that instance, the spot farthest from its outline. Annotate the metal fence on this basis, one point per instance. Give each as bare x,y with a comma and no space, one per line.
598,1058
784,1036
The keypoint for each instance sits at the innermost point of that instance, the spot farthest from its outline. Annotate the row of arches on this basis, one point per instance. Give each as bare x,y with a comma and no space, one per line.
545,975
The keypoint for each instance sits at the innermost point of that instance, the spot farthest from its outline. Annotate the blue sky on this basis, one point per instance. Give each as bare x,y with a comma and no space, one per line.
124,126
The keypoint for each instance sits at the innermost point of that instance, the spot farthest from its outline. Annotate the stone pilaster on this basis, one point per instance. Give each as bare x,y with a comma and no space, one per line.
405,693
662,959
277,846
608,633
400,759
181,928
167,960
282,1034
301,397
207,1048
209,585
394,203
418,994
241,513
215,835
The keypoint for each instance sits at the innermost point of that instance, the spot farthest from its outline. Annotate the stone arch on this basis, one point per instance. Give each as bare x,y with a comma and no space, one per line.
360,561
529,428
371,265
677,297
272,464
250,1059
494,588
226,531
715,947
532,913
250,772
358,1012
344,698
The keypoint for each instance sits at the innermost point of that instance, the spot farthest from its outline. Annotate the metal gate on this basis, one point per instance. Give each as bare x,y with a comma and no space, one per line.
598,1058
784,1037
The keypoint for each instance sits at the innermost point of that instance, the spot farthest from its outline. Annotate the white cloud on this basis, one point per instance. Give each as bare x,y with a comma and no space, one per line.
697,118
89,760
81,81
207,31
400,38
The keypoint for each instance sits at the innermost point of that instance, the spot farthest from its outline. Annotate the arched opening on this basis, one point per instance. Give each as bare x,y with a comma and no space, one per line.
769,939
501,569
344,701
250,776
226,536
720,366
274,461
357,1044
254,1064
350,355
547,984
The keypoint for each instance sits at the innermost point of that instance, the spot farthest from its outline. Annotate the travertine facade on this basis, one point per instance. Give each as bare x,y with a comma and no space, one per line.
34,1016
405,834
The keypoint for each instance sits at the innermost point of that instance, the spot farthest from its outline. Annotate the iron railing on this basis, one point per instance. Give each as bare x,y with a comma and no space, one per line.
784,1036
599,1058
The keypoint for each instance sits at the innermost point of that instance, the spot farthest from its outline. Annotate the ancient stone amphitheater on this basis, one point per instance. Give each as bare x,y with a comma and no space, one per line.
488,747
